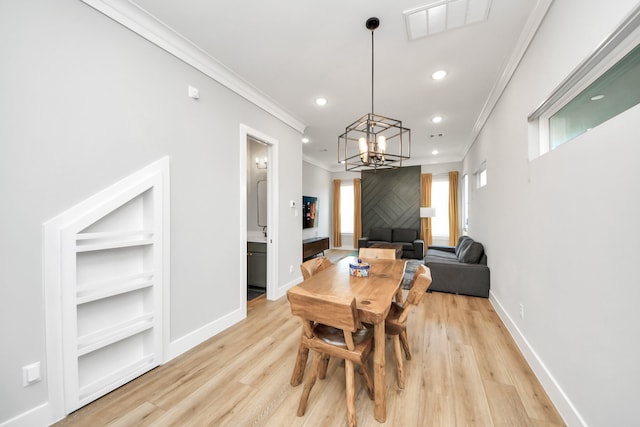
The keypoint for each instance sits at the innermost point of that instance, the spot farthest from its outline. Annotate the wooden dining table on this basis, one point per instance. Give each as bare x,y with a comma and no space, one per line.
373,296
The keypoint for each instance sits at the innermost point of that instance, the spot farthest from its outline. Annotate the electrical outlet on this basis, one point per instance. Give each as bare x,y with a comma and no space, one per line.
522,311
31,374
291,269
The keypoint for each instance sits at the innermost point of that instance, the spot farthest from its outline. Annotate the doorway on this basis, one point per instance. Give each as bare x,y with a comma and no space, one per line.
249,188
257,217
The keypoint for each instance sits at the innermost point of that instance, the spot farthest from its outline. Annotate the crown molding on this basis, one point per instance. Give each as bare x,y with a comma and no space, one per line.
147,26
529,31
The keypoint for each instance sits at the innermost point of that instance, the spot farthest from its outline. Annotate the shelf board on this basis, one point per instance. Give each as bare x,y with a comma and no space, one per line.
96,340
97,388
93,291
86,242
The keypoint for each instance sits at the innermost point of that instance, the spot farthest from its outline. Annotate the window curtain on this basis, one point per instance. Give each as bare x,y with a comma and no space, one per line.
337,236
357,211
425,202
454,220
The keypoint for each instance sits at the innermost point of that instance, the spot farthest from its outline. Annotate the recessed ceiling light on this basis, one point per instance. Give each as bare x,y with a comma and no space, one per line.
305,140
439,75
434,152
597,97
436,119
321,101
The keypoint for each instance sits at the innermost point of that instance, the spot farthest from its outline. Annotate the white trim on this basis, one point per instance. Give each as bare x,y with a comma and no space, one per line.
529,31
38,416
565,407
273,211
200,335
147,26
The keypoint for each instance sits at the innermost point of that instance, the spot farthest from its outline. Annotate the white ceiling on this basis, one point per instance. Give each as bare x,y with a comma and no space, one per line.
295,51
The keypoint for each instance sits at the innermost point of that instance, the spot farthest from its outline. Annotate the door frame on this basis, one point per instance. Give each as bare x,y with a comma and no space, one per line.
272,211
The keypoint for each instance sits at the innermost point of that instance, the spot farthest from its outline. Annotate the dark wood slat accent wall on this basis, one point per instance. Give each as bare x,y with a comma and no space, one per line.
391,198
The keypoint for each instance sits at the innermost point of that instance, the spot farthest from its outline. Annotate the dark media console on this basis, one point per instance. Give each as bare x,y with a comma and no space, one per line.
312,247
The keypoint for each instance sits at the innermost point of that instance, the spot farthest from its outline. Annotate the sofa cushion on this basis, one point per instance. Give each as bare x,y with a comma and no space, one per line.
436,255
472,253
463,243
404,235
380,234
460,240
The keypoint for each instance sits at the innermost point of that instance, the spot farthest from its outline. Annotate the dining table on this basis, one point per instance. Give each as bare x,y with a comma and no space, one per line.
373,295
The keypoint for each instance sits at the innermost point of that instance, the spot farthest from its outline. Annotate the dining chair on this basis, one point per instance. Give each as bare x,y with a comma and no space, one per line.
377,253
396,321
308,268
332,328
314,265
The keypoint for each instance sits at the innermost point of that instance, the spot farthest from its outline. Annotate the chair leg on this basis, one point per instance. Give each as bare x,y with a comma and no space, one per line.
301,363
308,385
351,393
322,373
399,362
405,344
366,372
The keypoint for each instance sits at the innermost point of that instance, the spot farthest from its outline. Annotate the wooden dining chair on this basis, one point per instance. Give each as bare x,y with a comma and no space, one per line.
314,265
377,253
308,268
396,321
332,328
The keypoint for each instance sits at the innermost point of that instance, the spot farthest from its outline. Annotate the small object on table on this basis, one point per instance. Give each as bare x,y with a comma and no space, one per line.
359,269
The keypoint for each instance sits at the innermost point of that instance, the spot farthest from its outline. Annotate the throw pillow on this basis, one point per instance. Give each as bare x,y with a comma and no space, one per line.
463,244
472,254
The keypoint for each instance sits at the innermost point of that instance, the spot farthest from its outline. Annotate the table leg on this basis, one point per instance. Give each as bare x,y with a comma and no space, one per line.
379,382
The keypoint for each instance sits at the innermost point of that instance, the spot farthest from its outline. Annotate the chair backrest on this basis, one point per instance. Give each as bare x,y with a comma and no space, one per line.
419,285
377,253
314,265
337,311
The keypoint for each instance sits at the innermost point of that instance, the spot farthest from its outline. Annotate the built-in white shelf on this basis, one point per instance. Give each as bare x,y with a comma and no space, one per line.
117,332
89,292
111,255
86,242
96,388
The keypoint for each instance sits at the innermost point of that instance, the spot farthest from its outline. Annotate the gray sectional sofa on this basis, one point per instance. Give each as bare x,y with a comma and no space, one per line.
412,246
460,269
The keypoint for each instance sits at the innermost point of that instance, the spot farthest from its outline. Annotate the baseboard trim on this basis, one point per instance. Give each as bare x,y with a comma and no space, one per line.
563,404
38,416
200,335
281,291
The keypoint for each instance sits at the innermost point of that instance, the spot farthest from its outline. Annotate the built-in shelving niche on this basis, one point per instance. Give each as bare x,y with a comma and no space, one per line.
111,280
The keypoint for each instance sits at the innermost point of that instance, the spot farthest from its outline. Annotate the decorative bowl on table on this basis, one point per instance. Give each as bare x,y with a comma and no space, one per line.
359,269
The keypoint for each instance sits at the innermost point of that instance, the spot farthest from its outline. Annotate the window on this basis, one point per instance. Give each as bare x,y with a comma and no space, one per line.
346,208
465,203
440,201
481,176
615,91
604,85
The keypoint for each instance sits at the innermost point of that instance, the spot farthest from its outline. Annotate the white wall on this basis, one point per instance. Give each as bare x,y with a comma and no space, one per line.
317,182
573,271
86,102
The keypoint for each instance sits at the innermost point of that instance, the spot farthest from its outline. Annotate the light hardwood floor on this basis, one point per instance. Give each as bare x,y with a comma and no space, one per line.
466,370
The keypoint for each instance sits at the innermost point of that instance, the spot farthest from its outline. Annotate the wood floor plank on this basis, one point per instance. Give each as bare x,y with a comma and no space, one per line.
470,402
465,370
506,407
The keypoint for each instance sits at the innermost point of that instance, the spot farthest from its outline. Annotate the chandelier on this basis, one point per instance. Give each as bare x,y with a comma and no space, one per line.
373,141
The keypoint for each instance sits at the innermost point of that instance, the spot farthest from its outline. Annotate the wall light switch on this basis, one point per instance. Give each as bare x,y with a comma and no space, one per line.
292,203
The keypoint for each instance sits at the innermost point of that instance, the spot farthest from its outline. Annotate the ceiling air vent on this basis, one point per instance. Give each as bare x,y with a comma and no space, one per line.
444,15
